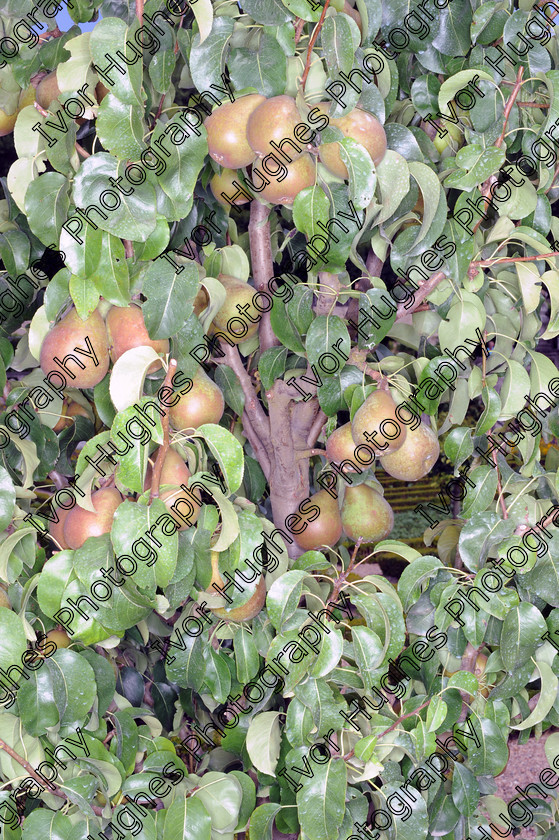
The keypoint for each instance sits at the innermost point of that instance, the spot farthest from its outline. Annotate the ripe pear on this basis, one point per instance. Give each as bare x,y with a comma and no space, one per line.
365,513
227,131
126,329
300,175
326,529
224,183
340,446
248,610
56,529
204,403
7,122
174,472
59,637
47,90
90,336
273,121
81,524
361,127
416,457
238,305
369,427
69,411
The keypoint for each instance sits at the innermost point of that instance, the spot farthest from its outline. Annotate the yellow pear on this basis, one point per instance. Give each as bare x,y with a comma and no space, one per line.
237,318
203,403
416,457
366,514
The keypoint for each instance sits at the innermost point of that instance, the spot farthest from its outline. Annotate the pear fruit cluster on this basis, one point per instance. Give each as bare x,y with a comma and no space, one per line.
407,454
244,132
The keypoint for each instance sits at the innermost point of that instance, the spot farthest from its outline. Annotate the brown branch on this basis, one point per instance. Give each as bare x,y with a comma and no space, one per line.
128,248
34,775
344,575
534,104
164,448
497,260
140,11
510,102
298,29
328,289
262,265
486,189
400,719
312,41
316,427
41,110
308,453
51,33
253,407
424,291
81,151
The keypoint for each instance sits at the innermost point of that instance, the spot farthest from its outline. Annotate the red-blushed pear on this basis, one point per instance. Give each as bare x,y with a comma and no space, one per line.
300,175
340,446
273,121
326,528
376,425
203,403
56,529
81,524
416,457
174,473
227,131
77,350
366,514
359,126
237,318
248,610
126,329
223,183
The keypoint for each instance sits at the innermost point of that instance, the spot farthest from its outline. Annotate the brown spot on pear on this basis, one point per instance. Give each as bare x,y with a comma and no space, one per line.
203,403
47,90
248,610
223,182
340,447
325,528
272,122
238,318
81,524
366,514
416,457
90,336
126,329
227,131
174,473
375,424
359,126
300,175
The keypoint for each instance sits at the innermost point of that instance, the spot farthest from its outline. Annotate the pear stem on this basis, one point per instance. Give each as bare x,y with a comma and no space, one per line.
164,448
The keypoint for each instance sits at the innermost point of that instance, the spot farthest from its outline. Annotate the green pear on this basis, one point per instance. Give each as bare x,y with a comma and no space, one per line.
416,457
375,424
227,131
366,514
326,529
340,446
237,318
174,473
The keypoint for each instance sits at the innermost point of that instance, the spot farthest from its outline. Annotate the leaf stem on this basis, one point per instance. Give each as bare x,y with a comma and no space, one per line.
164,448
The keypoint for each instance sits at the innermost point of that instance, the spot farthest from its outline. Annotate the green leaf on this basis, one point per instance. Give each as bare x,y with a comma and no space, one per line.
183,162
46,205
227,451
7,498
84,294
207,60
368,653
340,38
120,128
521,632
321,800
221,795
109,35
263,741
476,165
246,655
263,68
262,821
13,641
328,335
186,819
546,700
170,295
310,207
465,789
283,597
74,686
360,167
488,753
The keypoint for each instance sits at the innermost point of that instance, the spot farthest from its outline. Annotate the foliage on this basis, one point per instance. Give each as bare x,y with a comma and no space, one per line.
313,745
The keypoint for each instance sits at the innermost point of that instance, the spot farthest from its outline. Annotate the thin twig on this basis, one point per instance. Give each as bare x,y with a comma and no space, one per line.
316,427
400,719
140,11
81,151
424,291
164,448
312,41
344,575
299,24
487,263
